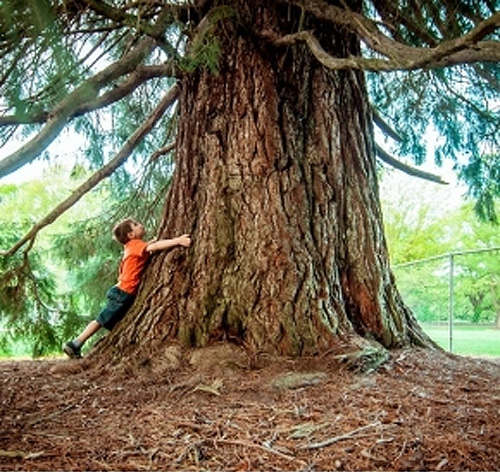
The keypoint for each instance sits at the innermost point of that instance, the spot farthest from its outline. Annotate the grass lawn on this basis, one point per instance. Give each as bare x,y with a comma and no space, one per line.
466,339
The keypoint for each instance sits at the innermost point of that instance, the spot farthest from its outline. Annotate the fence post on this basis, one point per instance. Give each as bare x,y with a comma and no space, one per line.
451,299
450,302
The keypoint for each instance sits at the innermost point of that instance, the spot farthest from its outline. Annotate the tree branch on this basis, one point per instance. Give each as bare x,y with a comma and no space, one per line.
392,161
335,63
489,78
140,75
417,58
13,120
385,127
156,31
162,151
464,49
61,114
391,13
102,173
121,16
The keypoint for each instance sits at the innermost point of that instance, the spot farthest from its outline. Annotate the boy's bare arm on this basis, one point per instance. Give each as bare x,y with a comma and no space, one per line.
161,244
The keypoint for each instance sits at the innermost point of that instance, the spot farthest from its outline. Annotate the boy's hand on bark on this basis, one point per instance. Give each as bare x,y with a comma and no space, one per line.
166,244
184,240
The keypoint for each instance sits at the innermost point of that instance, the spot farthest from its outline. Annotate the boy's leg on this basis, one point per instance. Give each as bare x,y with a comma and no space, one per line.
90,330
117,305
73,348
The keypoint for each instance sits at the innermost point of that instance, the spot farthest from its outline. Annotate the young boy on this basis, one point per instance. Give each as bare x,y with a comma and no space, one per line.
121,296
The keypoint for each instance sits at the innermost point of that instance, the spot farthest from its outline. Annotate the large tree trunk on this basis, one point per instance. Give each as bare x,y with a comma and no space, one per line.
276,182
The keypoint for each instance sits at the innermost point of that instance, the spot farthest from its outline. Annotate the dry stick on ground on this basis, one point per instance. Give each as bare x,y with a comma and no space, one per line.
51,415
102,173
342,437
263,448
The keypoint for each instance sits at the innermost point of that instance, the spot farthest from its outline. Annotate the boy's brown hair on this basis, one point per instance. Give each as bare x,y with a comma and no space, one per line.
121,230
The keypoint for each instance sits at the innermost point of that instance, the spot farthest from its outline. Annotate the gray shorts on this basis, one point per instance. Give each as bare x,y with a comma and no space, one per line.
119,302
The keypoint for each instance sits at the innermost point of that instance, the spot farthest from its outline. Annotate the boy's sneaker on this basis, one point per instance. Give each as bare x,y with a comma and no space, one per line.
72,351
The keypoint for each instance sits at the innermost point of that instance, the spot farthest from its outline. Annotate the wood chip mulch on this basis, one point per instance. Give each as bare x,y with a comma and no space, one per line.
421,410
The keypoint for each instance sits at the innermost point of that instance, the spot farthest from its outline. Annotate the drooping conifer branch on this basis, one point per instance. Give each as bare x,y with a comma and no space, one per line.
60,115
140,75
385,127
392,161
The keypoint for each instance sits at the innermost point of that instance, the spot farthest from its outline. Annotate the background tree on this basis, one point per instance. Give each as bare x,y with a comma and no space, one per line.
478,276
275,174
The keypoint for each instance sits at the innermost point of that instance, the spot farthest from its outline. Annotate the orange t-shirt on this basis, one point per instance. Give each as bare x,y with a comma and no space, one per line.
134,259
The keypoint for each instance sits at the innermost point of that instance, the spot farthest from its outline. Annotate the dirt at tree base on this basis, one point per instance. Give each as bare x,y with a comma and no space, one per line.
421,410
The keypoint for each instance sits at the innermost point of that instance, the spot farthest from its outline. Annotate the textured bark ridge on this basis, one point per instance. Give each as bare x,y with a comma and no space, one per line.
276,183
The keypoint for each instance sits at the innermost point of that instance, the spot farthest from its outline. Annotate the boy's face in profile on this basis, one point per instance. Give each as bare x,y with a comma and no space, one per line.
137,231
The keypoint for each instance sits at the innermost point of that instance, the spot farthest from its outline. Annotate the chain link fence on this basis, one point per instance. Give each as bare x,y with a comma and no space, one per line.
456,299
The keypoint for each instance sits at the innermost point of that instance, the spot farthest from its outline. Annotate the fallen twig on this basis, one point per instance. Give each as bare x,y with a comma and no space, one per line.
263,448
214,389
51,415
342,437
21,454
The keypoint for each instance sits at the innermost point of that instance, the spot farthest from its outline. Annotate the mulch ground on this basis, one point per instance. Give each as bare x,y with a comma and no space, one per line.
420,411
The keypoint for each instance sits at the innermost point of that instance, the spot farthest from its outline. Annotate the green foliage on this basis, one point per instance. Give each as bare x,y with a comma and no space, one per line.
460,102
29,308
34,307
89,257
413,228
205,48
50,47
482,175
462,106
37,31
205,55
425,289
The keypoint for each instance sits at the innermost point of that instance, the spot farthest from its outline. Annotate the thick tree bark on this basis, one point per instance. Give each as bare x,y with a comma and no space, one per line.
276,182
